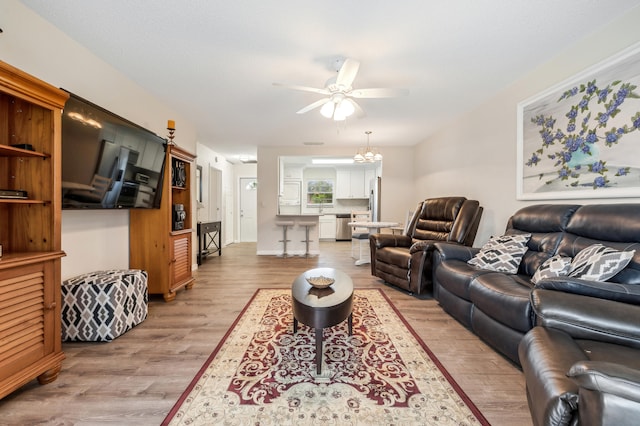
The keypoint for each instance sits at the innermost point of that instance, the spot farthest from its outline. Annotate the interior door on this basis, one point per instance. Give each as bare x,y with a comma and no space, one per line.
248,210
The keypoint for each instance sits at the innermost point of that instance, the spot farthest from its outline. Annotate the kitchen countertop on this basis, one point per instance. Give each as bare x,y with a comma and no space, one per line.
337,215
297,215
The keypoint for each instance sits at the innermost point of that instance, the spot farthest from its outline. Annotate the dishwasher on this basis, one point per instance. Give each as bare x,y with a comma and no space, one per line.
343,230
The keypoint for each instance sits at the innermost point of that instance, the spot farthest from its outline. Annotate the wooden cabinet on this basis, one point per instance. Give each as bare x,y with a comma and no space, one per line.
159,242
30,229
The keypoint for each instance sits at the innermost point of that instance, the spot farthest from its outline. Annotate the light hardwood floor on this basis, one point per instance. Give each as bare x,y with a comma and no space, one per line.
137,378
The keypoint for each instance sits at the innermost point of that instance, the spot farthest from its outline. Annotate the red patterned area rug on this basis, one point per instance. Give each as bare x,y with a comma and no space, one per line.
263,374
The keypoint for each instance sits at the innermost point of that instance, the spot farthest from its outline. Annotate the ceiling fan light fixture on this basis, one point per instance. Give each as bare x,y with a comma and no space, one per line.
327,109
346,107
340,97
338,115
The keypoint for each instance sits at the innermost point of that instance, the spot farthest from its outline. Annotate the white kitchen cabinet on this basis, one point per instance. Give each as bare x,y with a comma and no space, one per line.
351,184
357,184
292,171
343,183
151,157
130,141
327,224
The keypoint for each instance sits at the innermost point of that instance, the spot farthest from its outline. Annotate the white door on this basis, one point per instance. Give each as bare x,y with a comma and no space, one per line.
248,209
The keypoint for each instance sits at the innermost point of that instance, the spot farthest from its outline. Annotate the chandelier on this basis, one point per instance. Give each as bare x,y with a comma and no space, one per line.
367,154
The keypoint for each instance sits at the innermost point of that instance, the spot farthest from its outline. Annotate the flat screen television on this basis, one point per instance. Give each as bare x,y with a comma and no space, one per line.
108,162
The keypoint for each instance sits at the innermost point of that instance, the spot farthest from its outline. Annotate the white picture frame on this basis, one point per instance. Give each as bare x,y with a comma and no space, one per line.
581,137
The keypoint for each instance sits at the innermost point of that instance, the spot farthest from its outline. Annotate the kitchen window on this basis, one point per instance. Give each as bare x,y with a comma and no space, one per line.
320,193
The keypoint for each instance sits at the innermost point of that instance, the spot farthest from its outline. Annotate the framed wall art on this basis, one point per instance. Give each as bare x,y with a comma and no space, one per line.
581,138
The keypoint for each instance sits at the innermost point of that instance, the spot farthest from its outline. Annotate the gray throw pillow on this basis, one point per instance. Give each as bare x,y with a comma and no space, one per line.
502,254
599,263
555,266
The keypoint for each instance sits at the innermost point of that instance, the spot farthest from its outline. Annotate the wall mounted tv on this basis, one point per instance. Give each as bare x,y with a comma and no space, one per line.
108,162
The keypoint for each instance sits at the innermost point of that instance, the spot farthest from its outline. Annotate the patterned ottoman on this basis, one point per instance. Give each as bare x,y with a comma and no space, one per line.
100,306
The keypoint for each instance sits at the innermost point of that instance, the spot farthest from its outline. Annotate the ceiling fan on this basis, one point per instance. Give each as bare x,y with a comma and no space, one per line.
339,102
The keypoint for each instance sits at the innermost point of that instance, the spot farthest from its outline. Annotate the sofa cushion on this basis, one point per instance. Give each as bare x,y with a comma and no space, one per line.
546,224
502,254
613,225
396,256
556,266
435,220
505,298
599,263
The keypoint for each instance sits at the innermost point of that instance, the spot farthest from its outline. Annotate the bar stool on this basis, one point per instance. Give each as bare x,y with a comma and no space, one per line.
307,226
285,225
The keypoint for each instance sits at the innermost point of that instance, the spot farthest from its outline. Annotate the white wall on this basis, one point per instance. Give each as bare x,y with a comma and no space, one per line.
93,240
207,158
398,191
475,155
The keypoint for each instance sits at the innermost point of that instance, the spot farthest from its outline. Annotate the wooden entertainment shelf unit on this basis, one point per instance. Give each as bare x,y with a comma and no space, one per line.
30,229
157,243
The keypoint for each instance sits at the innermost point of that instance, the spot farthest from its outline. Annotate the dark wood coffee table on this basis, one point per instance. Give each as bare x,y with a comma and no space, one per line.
322,308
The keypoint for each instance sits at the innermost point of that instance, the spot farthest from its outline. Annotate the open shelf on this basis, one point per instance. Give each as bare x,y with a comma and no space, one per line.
10,151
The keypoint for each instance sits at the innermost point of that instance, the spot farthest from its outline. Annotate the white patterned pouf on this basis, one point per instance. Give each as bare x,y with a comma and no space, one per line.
100,306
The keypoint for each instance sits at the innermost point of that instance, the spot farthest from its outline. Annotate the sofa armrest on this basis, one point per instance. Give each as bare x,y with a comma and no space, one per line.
389,240
607,377
626,293
608,393
454,251
421,246
587,317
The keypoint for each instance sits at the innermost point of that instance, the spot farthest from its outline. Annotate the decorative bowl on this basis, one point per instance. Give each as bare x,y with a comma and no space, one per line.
320,281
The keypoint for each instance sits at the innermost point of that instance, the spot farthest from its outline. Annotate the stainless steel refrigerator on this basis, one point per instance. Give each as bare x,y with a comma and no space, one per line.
374,198
113,164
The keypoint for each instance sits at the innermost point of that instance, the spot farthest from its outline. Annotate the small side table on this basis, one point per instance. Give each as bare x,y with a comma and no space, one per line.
209,239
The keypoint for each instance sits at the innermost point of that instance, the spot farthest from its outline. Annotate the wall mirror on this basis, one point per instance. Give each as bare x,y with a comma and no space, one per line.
199,184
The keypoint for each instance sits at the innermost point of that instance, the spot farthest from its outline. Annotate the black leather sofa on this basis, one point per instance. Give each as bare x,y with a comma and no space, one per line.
405,260
581,359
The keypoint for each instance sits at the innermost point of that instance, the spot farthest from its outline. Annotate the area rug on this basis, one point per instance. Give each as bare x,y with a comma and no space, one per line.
263,374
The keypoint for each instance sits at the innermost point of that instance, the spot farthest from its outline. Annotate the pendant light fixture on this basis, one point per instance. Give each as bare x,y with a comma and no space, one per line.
367,154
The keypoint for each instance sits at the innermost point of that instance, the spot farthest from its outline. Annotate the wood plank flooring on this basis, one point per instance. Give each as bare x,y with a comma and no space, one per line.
137,378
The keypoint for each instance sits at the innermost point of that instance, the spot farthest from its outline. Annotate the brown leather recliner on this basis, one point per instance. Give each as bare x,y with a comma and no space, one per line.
405,260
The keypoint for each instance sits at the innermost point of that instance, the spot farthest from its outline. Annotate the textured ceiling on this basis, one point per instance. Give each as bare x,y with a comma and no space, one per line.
216,61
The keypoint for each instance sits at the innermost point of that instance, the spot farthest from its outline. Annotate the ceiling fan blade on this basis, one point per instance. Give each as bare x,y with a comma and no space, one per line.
314,105
378,93
304,88
347,72
359,112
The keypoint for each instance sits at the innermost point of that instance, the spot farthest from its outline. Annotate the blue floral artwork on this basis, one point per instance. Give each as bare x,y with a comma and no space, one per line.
581,139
